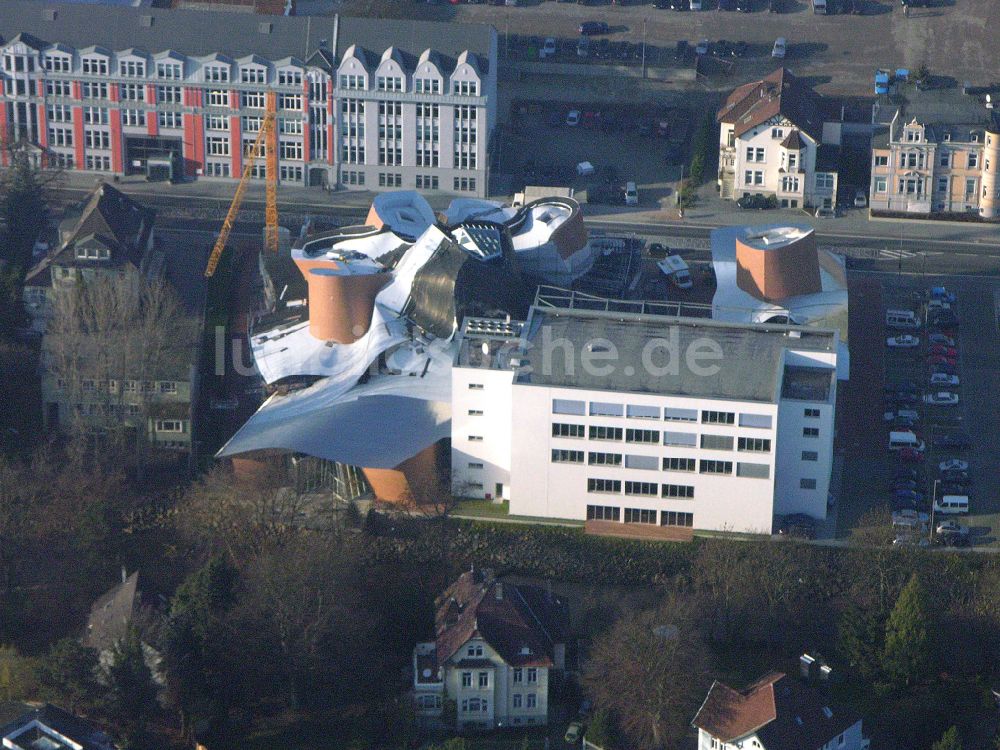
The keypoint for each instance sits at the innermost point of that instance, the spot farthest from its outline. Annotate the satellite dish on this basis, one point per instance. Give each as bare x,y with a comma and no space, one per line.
425,673
486,347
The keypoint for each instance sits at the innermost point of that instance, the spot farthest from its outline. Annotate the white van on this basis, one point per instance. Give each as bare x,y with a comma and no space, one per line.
675,268
950,504
904,319
819,6
631,194
905,439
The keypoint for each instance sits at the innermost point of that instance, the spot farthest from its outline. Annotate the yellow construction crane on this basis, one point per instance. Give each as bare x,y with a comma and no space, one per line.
266,137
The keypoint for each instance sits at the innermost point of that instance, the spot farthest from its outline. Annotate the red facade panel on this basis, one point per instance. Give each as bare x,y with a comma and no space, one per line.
78,136
188,145
43,130
117,147
306,146
3,133
236,145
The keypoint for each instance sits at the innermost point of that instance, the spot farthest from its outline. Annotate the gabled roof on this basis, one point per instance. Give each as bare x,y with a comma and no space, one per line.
786,714
111,615
109,218
32,41
522,626
48,726
779,94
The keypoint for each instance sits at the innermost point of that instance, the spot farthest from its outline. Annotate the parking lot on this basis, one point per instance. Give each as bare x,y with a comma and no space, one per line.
889,379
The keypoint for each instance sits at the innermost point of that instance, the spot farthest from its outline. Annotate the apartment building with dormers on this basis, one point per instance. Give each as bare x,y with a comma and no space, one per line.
360,103
773,141
938,153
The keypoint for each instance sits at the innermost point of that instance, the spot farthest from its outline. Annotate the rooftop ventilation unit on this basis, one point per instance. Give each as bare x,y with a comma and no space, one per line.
264,27
48,14
146,21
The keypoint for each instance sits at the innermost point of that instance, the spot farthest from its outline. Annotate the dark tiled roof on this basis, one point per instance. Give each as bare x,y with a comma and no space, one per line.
111,615
521,625
779,93
785,713
73,728
792,141
202,32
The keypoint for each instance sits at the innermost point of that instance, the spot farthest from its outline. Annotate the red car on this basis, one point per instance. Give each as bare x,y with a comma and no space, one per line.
937,359
910,456
945,351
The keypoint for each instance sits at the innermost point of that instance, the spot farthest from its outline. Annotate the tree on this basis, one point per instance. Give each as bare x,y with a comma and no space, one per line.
950,740
130,699
859,638
23,206
69,672
906,657
650,670
600,731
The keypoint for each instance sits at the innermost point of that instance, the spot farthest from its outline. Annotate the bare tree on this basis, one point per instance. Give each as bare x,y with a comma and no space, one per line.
650,670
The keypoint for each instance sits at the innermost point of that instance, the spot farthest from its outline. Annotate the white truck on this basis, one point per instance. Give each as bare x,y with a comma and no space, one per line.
675,268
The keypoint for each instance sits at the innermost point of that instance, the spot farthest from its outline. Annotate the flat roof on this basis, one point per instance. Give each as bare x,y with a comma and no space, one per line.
663,355
203,32
771,237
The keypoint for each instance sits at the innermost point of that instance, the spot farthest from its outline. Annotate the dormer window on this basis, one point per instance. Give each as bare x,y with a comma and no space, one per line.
171,71
474,649
217,73
389,83
427,86
252,75
93,253
58,63
132,68
95,66
290,77
352,82
777,133
465,88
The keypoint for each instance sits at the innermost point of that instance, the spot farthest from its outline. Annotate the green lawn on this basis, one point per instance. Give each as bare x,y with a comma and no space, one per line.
483,508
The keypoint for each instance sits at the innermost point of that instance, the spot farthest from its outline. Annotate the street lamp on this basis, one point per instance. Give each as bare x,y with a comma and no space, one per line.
934,497
644,48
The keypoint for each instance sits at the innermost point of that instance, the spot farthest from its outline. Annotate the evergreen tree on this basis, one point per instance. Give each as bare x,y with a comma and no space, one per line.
859,638
950,740
906,657
130,701
22,207
69,673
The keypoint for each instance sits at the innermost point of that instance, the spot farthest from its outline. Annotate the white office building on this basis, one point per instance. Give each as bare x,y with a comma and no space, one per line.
644,424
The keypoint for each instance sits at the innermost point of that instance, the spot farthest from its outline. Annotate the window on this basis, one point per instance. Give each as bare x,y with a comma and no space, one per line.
807,484
597,513
476,649
169,119
352,82
475,465
598,409
465,184
567,430
674,518
824,180
604,485
688,439
565,406
389,83
290,101
58,63
646,463
560,456
811,413
132,68
351,177
758,178
290,150
253,75
598,432
970,186
756,420
881,185
532,675
216,122
465,88
717,442
484,680
427,181
973,159
718,417
428,701
651,437
777,132
637,411
94,66
715,467
793,160
677,490
640,515
944,159
475,438
789,184
466,679
216,169
57,88
97,139
133,118
519,673
881,160
671,414
755,471
60,136
169,425
217,145
93,253
647,489
532,700
218,98
172,71
516,700
604,459
755,445
95,116
90,90
252,99
810,456
168,94
217,73
390,179
289,77
427,86
810,432
673,463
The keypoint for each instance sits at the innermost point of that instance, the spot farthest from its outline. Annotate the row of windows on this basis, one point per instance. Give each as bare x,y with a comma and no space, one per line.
672,414
644,489
398,84
637,515
652,437
89,385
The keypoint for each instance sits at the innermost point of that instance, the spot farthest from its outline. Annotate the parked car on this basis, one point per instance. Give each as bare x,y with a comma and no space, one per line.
953,488
727,5
583,47
944,367
940,338
939,359
696,4
952,527
739,49
907,472
780,48
658,250
593,28
680,4
701,48
776,6
860,199
908,455
942,293
954,464
949,539
744,6
905,341
573,733
904,484
573,118
908,495
943,378
959,476
548,48
953,440
757,201
944,351
941,398
901,386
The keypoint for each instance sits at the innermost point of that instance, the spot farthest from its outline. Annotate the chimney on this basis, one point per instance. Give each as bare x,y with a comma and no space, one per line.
124,574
